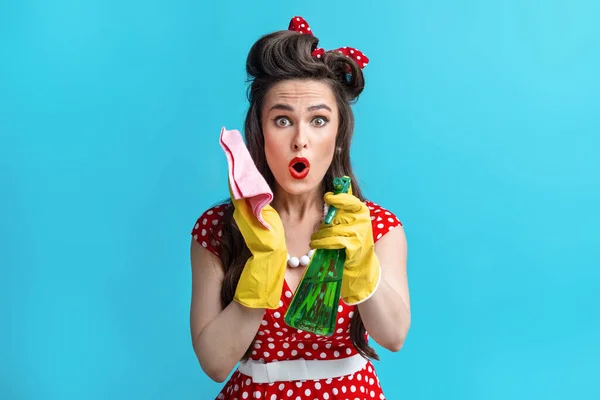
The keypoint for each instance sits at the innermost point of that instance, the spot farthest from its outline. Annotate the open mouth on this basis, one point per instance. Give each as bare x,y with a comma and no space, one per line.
299,168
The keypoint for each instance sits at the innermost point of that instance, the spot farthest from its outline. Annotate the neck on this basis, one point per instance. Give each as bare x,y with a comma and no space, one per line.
298,207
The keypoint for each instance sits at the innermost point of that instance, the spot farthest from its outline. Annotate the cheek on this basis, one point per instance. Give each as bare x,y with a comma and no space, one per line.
273,151
327,144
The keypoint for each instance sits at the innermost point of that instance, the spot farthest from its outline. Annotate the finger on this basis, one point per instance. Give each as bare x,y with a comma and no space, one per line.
331,232
271,216
344,201
329,243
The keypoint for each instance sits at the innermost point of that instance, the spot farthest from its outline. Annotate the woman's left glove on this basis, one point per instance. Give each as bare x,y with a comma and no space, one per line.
351,229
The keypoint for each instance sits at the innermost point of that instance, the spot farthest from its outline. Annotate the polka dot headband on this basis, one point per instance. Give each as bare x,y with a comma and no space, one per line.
300,25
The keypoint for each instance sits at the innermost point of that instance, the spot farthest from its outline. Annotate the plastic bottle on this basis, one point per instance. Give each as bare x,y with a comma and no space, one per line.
314,306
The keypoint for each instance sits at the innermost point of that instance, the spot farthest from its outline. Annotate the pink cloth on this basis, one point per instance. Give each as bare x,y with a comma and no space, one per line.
244,178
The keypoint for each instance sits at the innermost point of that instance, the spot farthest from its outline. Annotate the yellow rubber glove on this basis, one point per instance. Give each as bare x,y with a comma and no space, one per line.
261,281
351,229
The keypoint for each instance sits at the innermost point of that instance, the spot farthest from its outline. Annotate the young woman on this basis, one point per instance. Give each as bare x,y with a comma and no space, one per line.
298,131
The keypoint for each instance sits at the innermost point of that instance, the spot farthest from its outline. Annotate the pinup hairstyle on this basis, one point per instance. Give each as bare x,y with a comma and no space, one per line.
276,57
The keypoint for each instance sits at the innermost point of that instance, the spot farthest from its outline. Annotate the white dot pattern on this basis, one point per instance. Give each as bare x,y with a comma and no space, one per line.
299,24
239,387
207,230
276,341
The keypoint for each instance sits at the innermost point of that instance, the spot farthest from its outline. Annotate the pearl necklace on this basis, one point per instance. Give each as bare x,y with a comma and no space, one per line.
304,260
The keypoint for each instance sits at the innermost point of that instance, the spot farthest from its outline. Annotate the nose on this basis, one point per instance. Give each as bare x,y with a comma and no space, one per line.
300,140
299,146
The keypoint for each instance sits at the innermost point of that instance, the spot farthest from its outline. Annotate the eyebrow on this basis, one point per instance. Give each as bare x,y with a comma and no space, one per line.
287,107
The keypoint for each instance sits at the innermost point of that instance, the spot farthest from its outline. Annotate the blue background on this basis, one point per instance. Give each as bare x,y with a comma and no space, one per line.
486,116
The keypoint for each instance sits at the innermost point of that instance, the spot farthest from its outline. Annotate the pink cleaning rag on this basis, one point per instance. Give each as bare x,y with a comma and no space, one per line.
245,179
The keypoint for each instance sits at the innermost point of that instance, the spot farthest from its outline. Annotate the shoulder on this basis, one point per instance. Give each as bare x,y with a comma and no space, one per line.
382,219
207,230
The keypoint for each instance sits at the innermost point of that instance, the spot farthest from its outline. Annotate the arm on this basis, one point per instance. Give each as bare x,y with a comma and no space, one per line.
386,314
220,337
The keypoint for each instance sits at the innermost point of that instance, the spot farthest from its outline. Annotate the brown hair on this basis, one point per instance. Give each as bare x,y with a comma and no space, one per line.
276,57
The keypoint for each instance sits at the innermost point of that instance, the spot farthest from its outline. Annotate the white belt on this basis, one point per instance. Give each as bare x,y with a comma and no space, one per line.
295,370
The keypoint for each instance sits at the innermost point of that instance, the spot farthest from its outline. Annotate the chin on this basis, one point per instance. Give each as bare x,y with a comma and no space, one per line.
299,187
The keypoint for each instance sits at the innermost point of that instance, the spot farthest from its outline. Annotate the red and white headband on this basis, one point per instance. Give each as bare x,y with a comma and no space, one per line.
300,25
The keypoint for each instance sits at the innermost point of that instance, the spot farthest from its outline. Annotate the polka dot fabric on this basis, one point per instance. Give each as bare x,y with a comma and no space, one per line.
207,230
382,220
276,341
299,24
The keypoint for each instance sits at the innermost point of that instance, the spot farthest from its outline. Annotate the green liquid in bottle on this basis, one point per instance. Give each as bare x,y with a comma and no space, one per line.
314,306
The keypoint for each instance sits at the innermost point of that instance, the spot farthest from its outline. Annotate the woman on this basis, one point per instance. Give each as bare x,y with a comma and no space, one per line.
298,130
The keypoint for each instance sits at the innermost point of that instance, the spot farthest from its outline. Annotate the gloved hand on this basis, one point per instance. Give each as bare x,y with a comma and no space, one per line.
351,229
261,281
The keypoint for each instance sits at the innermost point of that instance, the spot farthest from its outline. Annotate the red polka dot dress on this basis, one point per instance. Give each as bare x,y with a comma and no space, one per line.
276,341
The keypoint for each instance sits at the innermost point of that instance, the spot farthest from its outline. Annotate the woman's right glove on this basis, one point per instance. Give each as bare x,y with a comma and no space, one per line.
261,282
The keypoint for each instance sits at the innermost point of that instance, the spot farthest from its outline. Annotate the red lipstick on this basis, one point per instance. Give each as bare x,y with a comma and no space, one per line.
299,168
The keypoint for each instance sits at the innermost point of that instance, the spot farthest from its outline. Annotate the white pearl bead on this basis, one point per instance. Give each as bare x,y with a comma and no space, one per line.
304,260
311,252
294,262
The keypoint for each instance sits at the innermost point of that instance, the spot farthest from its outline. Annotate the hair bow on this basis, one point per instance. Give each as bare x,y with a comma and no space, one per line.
300,25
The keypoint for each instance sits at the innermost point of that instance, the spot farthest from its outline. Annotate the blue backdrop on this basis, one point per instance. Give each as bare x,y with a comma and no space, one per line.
484,115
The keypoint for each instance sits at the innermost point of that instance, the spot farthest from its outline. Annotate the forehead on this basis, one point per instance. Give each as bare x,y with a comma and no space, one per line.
301,91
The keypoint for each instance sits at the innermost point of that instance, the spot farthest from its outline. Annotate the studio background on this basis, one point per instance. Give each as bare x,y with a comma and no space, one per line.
479,128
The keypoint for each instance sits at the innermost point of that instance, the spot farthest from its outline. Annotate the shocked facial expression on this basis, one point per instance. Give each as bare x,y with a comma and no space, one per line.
300,124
